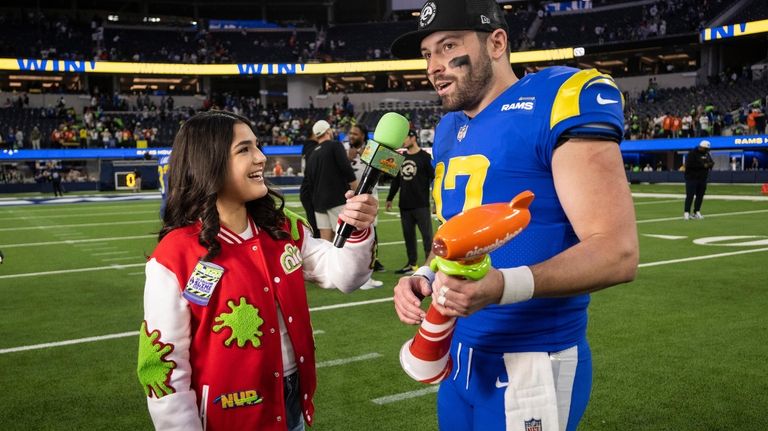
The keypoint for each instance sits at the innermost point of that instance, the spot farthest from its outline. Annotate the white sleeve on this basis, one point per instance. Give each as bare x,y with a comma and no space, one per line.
172,404
345,268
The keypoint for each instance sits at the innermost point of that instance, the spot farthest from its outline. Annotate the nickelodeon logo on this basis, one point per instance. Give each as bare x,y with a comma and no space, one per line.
238,399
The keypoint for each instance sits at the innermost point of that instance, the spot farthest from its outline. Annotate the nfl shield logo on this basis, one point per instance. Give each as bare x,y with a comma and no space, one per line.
462,132
533,425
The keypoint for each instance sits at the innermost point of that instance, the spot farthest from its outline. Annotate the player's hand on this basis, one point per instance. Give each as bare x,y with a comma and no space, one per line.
409,292
360,210
462,297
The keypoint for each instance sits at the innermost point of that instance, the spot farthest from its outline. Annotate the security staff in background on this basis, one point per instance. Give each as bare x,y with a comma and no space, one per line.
698,162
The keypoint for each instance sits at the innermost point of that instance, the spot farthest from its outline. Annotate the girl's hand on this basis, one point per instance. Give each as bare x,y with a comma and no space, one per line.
360,210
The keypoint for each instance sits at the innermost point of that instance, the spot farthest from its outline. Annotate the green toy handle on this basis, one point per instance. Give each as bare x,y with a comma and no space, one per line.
473,271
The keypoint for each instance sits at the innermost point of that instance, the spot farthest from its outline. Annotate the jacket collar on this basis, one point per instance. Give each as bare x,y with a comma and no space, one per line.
231,237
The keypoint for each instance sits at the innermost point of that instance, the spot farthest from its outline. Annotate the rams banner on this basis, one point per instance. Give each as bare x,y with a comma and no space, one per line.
733,30
121,153
731,143
89,66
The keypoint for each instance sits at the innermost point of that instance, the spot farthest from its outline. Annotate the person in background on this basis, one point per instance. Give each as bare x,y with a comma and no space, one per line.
278,169
519,352
413,183
357,136
163,165
305,190
34,137
357,139
330,175
137,176
226,342
698,163
58,190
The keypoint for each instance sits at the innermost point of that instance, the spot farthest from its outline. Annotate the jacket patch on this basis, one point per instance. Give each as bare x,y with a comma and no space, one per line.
238,399
290,259
243,322
203,280
154,369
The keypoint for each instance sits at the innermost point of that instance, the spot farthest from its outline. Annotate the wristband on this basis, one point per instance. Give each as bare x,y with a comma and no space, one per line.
518,285
425,272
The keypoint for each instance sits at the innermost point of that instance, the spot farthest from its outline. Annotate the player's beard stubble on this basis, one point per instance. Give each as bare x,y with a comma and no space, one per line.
471,87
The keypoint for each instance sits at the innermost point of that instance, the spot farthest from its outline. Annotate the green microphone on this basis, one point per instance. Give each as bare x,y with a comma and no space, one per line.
380,156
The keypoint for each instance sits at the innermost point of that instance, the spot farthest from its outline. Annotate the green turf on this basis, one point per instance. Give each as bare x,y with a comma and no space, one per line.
681,348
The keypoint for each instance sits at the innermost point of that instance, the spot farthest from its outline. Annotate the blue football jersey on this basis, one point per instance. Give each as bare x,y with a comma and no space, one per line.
506,149
162,174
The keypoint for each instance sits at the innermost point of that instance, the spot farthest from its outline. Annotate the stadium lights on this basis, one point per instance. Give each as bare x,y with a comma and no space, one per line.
35,78
113,18
674,57
609,63
157,80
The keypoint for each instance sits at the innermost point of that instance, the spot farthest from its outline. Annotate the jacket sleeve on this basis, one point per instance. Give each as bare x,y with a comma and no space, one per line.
345,268
164,369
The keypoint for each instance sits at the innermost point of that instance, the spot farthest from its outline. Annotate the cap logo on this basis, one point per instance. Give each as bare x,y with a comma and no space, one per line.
484,19
427,14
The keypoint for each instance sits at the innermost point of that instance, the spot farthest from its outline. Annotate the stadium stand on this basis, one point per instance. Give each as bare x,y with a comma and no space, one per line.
633,22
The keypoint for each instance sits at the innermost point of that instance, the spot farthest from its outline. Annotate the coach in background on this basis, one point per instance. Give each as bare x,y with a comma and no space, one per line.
413,183
519,354
697,166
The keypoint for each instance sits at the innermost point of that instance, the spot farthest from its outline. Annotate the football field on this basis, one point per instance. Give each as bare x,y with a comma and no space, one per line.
683,347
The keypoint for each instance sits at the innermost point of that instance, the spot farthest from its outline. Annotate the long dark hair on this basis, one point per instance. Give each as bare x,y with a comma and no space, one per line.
198,169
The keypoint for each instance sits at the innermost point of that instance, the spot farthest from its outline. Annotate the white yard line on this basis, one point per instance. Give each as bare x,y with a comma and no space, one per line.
657,202
134,333
69,271
405,395
117,259
706,216
110,252
76,241
343,361
90,214
706,256
59,226
709,196
69,342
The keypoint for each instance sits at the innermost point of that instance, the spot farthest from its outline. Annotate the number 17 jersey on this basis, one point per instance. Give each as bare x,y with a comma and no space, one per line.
506,149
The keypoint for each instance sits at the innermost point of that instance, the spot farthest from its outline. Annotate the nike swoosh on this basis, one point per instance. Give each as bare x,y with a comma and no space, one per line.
500,384
602,101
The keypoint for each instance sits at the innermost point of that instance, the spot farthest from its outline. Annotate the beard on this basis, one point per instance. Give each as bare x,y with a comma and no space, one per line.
471,88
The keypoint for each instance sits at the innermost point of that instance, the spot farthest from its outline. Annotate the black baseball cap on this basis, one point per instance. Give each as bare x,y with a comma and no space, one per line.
448,15
413,133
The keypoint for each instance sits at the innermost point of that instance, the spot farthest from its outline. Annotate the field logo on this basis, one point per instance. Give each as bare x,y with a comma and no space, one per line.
290,259
238,399
243,322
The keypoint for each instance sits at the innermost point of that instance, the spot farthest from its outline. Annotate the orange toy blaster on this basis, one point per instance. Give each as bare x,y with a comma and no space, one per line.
461,246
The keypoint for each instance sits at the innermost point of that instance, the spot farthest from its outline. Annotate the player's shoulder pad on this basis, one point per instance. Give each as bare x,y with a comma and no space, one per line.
294,220
584,91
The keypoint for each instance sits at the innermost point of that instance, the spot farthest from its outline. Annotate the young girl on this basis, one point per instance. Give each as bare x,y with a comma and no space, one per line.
226,341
